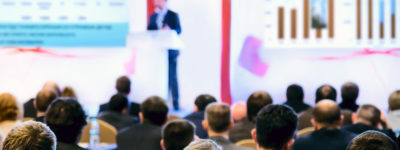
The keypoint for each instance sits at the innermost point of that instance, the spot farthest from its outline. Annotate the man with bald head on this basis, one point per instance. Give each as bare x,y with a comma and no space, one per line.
239,111
29,108
42,101
327,121
349,96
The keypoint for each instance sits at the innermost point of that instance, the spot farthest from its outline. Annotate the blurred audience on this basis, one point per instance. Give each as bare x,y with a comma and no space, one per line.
145,135
30,135
123,86
349,96
66,119
68,91
372,140
10,113
117,113
255,102
203,144
295,96
218,122
197,116
327,121
393,117
275,128
29,108
42,101
239,111
177,134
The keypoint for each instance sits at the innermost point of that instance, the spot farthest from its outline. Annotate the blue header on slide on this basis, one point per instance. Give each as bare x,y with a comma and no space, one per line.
64,34
393,10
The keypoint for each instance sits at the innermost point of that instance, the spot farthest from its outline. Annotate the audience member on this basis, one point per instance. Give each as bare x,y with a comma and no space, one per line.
239,111
66,119
68,91
327,135
218,122
177,134
42,101
10,113
242,129
30,135
275,128
29,108
372,140
143,136
295,96
197,116
394,111
116,115
123,86
203,144
349,96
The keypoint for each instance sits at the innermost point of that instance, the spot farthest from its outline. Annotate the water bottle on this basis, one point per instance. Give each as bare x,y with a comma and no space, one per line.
94,133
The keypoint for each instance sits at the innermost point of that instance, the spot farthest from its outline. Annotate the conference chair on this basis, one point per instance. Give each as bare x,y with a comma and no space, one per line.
107,133
247,143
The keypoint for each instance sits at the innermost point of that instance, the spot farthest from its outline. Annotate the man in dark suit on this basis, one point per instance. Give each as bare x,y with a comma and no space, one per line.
349,96
165,19
218,122
328,136
242,129
123,86
177,134
29,108
117,113
197,116
295,96
147,134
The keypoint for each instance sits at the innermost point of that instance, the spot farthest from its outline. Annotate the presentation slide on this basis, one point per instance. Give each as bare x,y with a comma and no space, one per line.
63,23
331,23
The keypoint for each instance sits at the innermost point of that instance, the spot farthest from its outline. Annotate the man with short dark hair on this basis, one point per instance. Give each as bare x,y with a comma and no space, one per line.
177,134
255,102
218,122
295,96
145,135
275,128
123,86
197,116
349,96
42,101
394,111
66,119
372,140
29,108
117,113
327,135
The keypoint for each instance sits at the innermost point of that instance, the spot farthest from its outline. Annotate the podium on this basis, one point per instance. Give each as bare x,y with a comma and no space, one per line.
150,50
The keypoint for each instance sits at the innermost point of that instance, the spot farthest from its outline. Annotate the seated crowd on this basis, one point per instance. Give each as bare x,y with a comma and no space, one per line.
57,121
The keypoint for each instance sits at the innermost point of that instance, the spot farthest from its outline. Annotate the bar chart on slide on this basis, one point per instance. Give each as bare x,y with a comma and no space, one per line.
332,23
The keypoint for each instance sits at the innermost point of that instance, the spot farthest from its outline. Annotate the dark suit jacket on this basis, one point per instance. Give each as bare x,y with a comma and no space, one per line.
40,119
117,120
298,107
144,136
197,118
350,106
360,128
29,109
66,146
171,19
241,131
226,144
326,139
133,110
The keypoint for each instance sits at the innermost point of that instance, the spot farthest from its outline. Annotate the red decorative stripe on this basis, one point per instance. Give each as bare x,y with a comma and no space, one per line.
150,9
226,96
38,50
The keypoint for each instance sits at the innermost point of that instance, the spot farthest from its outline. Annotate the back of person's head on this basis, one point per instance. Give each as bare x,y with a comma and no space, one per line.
203,100
369,114
177,134
372,140
123,85
43,99
203,144
239,111
275,127
30,135
69,92
9,107
256,102
217,117
394,101
118,102
327,114
154,110
349,92
52,85
66,119
294,93
325,92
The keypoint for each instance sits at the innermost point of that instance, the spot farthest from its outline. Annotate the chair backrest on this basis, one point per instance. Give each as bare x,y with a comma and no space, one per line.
305,131
28,119
107,133
247,143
